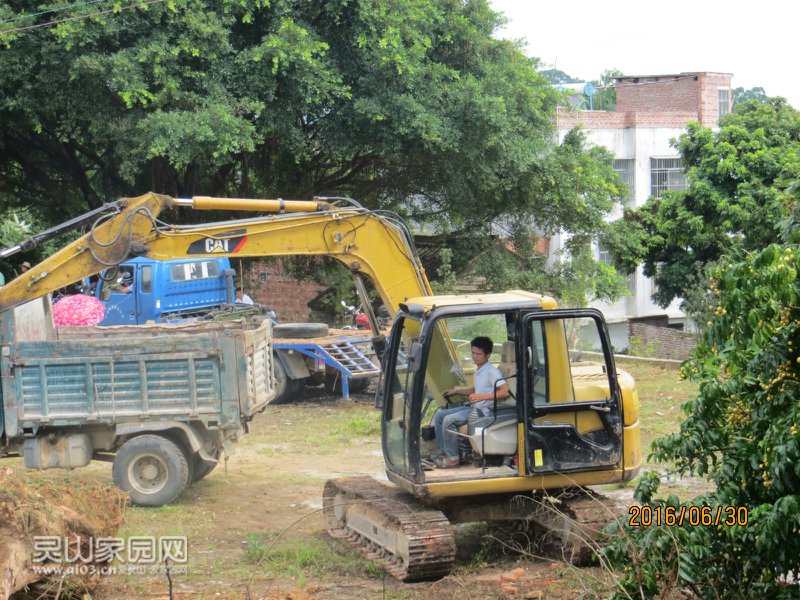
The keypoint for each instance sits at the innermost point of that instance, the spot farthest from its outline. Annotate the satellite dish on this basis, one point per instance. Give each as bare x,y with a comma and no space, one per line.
576,100
580,93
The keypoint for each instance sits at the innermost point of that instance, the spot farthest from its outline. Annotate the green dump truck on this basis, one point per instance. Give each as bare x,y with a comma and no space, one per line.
160,402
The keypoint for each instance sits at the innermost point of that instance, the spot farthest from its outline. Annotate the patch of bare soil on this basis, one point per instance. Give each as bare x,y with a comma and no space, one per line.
256,532
70,515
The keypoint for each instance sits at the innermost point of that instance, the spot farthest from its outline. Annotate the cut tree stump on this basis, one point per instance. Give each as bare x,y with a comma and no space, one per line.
33,506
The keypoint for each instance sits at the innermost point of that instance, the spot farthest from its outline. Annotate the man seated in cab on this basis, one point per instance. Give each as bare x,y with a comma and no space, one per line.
447,420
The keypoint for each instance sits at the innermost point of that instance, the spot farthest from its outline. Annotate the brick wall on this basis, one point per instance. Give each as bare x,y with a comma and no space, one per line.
566,119
686,92
665,342
659,93
656,101
267,283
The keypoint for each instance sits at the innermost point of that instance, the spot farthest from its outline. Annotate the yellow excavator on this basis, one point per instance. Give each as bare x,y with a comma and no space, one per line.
572,418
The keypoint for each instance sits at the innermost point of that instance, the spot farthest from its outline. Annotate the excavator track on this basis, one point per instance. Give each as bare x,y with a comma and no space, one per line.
411,540
569,524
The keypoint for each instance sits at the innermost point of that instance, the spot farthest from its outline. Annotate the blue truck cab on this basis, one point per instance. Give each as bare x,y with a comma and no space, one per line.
163,291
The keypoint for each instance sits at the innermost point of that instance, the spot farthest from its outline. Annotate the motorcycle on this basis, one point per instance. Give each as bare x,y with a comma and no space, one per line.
355,317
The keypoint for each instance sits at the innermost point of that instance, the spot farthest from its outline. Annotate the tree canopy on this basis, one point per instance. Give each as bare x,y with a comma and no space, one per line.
736,198
408,104
741,95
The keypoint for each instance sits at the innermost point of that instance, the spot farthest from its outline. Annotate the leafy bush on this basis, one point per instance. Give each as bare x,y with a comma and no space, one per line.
742,433
639,348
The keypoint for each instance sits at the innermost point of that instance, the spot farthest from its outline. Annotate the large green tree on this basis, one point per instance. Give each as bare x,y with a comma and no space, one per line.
381,100
736,198
405,104
741,95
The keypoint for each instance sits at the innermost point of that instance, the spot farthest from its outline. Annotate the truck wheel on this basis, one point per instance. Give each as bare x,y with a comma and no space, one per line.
333,383
152,469
201,468
286,388
300,330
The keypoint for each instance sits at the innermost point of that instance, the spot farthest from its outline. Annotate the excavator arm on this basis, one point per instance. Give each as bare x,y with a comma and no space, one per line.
374,245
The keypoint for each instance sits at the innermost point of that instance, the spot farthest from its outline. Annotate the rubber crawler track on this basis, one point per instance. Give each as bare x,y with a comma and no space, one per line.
431,545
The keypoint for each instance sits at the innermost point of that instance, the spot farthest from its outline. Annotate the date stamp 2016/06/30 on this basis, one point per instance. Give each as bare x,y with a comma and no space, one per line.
694,516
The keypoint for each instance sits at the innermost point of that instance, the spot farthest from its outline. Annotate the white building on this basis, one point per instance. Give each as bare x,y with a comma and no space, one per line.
651,111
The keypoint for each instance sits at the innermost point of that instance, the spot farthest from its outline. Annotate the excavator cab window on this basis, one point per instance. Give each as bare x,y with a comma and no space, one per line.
421,368
402,374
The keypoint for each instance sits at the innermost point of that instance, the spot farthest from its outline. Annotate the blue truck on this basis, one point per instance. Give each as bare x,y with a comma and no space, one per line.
143,290
160,402
164,291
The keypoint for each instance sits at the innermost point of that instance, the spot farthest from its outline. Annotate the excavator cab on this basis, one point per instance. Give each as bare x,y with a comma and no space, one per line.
564,422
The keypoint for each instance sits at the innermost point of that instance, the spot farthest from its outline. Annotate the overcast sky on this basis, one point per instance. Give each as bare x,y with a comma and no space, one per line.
757,42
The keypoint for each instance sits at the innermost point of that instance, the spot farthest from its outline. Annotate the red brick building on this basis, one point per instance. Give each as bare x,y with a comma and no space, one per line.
267,283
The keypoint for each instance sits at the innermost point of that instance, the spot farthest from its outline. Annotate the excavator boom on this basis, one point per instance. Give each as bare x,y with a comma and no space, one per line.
369,244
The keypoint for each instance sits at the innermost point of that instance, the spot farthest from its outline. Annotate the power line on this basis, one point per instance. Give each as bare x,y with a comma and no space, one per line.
52,10
80,17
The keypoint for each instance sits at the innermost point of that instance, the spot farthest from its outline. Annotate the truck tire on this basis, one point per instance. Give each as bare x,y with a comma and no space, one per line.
152,469
286,388
201,468
300,330
333,383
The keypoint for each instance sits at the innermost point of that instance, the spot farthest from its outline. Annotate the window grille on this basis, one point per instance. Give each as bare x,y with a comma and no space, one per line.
666,174
625,167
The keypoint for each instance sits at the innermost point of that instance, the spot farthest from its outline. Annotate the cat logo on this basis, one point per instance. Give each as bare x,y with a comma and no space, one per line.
229,242
213,246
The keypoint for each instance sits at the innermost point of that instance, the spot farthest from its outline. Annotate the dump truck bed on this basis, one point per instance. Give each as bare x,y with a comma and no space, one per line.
218,373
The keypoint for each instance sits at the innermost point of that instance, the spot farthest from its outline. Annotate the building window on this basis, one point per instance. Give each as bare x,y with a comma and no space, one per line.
724,102
666,174
625,167
603,254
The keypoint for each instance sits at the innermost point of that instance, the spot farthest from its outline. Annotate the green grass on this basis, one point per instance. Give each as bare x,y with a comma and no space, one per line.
295,428
367,425
661,395
304,557
270,450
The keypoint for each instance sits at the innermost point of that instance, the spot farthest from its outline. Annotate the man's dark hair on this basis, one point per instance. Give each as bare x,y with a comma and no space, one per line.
484,343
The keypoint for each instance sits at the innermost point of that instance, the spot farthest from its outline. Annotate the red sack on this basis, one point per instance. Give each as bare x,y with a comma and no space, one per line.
78,309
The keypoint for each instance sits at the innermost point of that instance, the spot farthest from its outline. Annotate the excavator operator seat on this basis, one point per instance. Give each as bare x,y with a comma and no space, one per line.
508,359
493,434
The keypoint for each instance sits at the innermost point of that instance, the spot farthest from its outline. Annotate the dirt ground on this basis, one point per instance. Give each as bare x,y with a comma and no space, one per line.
255,528
272,494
